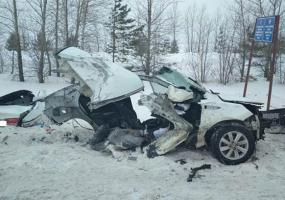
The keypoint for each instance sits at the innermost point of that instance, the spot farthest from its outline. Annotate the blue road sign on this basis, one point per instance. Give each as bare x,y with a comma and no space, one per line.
264,29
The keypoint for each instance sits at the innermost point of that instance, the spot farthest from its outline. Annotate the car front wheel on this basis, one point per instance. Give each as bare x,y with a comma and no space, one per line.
232,144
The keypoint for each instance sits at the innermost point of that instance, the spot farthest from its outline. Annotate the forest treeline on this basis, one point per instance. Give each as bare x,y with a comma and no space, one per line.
141,30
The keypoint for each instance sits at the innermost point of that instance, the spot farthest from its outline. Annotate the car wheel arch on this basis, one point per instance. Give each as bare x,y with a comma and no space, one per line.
211,130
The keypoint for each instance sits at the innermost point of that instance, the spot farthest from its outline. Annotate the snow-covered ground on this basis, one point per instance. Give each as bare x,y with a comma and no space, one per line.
257,91
35,164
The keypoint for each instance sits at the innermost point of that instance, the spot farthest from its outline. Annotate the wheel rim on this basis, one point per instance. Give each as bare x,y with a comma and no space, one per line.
233,145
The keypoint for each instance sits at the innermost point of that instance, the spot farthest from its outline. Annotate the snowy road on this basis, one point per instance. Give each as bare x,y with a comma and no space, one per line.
36,165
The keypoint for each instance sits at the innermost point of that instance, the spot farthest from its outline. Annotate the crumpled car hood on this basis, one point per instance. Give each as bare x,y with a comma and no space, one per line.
102,81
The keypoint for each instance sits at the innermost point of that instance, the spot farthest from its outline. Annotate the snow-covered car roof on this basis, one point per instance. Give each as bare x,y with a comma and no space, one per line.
100,80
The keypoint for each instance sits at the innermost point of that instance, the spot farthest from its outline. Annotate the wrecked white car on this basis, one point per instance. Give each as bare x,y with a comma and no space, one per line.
184,112
20,108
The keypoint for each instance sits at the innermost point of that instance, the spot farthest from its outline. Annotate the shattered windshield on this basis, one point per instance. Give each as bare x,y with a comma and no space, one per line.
179,80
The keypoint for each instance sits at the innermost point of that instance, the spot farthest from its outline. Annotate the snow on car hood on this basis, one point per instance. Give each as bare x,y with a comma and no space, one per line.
100,80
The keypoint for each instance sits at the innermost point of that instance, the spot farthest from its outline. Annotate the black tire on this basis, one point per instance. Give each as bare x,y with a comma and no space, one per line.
232,144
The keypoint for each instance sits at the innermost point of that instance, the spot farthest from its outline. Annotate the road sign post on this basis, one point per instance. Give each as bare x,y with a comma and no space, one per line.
266,30
272,66
248,68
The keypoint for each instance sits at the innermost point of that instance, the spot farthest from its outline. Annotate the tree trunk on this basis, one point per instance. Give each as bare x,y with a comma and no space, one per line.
98,43
56,36
192,37
49,63
280,66
243,65
243,26
268,62
149,21
84,21
1,63
13,62
113,40
114,35
43,44
188,49
41,68
78,21
66,21
18,43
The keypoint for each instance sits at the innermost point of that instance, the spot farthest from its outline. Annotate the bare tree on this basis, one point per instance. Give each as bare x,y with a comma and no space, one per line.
190,18
81,14
40,8
18,41
149,35
1,62
43,48
204,31
151,14
56,35
65,3
174,18
93,25
65,21
259,7
12,24
199,35
86,9
174,26
226,47
242,10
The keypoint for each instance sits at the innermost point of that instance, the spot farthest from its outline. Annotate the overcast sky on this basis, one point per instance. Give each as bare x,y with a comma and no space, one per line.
211,5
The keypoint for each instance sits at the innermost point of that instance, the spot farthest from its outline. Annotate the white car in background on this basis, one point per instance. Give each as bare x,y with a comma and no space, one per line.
19,109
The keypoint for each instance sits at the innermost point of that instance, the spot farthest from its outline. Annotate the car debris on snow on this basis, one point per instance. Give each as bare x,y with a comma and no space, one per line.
195,170
4,140
182,161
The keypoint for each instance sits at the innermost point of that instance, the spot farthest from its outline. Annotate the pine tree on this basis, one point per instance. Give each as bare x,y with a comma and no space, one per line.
166,46
11,45
11,42
220,41
24,43
174,47
122,28
138,42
